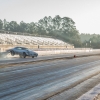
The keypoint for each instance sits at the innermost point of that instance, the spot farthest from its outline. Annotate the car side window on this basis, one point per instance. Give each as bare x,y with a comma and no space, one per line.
22,48
19,48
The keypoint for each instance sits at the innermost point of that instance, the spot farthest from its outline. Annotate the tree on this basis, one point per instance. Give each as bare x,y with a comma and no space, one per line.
57,22
32,28
23,26
13,26
1,24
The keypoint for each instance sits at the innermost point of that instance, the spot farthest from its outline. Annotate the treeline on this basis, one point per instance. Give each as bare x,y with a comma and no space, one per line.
90,40
57,27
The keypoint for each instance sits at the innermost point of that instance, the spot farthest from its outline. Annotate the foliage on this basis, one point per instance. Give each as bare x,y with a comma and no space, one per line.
1,24
57,27
86,36
90,40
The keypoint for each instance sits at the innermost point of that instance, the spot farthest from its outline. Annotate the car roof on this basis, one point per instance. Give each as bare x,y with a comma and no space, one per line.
21,47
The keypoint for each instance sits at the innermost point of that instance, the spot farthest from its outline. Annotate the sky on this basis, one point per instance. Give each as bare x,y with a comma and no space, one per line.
85,13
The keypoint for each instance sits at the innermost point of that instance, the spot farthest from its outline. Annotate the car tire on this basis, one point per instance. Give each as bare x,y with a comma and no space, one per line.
12,53
36,55
32,56
24,55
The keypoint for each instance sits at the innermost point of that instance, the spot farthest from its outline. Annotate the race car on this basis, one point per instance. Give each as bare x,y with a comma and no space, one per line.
22,52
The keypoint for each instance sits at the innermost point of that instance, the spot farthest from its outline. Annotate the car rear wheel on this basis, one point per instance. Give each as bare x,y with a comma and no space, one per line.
24,55
12,53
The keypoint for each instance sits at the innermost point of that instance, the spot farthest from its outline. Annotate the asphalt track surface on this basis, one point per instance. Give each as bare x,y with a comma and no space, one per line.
46,79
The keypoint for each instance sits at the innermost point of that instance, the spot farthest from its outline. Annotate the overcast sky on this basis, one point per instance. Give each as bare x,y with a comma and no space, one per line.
85,13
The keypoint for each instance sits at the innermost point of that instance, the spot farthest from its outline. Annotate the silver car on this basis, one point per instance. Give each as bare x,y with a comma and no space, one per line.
22,52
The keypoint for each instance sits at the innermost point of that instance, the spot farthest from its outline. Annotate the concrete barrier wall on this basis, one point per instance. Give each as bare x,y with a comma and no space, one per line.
51,52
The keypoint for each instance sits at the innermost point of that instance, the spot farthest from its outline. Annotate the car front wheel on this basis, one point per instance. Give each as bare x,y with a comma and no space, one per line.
36,55
32,56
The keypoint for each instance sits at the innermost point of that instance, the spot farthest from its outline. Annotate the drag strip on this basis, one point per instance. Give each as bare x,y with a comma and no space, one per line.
43,80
